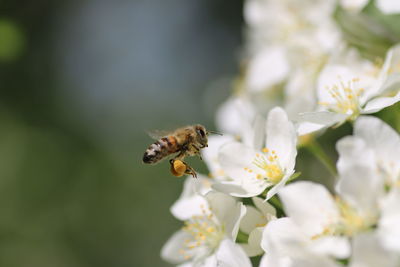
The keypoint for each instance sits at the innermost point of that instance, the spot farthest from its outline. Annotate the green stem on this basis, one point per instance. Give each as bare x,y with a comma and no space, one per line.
274,201
242,237
314,147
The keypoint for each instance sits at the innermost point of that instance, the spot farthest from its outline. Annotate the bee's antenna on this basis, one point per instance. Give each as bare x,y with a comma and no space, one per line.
213,132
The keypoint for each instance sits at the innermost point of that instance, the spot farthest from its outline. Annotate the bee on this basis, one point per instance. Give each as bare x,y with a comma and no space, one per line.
185,141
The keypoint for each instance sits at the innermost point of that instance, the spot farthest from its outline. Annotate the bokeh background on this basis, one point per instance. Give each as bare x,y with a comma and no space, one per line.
81,83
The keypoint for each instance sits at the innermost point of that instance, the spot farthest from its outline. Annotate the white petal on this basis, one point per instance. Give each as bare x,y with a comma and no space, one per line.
246,189
304,128
192,198
380,103
267,68
228,211
268,261
388,6
383,140
234,115
388,226
253,248
210,154
310,205
251,219
281,137
255,238
360,183
284,237
324,118
267,209
354,5
258,134
338,247
234,157
367,252
170,251
230,254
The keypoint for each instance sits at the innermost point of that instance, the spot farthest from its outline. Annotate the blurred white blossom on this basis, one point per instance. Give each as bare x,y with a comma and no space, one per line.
299,68
207,239
253,223
349,86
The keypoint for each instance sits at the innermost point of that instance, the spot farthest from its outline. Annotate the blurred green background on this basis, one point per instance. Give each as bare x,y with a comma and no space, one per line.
81,83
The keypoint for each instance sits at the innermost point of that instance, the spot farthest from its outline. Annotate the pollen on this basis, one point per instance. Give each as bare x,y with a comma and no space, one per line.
346,97
269,164
204,232
178,168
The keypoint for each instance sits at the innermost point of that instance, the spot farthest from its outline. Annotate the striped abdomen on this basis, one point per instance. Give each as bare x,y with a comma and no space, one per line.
160,149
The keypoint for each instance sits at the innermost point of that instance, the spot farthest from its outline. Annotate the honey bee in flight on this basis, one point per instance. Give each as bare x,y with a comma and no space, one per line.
186,141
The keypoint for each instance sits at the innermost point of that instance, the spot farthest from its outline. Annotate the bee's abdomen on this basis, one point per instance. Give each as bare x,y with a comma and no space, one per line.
160,149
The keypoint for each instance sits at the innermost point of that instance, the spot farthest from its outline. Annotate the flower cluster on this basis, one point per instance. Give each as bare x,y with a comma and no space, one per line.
307,70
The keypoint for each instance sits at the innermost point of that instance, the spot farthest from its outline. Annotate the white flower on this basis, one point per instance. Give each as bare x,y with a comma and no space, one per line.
234,116
384,142
388,225
388,6
353,5
207,239
252,168
360,185
352,86
192,197
286,245
369,252
210,155
320,215
288,43
253,223
261,74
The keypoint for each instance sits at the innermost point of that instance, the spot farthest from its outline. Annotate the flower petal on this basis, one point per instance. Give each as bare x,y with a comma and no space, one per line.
338,247
281,137
234,116
192,198
267,209
230,254
234,157
388,6
245,189
261,74
210,154
253,247
360,183
283,236
170,252
367,252
354,5
380,103
383,140
310,205
228,211
388,226
251,219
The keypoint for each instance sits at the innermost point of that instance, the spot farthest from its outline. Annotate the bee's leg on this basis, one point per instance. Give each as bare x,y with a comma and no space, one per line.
190,170
197,151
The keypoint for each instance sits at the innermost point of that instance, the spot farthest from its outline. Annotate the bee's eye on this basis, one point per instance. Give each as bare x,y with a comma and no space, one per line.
201,132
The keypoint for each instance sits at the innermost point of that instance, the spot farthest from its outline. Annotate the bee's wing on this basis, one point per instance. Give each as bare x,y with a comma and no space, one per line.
157,134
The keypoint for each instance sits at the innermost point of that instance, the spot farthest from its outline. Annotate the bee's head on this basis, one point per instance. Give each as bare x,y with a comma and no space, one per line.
201,135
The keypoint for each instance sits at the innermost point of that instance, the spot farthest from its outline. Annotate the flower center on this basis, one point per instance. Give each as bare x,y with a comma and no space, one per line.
269,163
350,223
204,231
345,96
